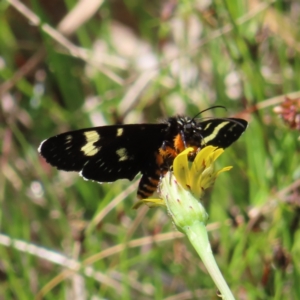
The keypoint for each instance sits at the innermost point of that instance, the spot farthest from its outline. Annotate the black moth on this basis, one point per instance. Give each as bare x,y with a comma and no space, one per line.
108,153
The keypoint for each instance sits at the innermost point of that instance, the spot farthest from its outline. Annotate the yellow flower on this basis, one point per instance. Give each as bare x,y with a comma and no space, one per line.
182,189
198,175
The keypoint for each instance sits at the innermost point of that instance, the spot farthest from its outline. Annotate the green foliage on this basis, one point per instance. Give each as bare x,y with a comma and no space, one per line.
138,61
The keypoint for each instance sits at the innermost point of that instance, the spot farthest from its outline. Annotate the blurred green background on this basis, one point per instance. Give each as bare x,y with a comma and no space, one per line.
66,65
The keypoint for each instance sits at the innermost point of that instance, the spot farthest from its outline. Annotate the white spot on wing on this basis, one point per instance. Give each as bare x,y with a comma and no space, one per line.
120,131
89,148
122,153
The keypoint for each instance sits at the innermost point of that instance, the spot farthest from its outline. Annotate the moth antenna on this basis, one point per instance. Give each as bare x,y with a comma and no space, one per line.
212,107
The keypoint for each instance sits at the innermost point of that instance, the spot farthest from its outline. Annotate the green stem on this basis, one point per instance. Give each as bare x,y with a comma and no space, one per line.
197,235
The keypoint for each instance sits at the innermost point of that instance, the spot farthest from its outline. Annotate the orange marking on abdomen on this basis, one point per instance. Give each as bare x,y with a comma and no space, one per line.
153,181
147,189
159,158
178,143
168,152
143,194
